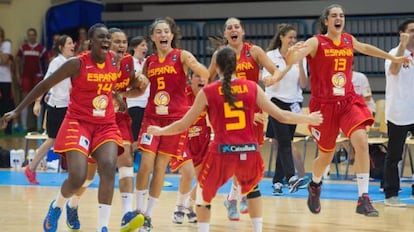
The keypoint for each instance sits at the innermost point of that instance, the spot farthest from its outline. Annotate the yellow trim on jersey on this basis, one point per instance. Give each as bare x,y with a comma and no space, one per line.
100,66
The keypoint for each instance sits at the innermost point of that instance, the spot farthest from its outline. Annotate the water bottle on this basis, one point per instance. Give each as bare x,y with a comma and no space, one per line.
20,158
13,158
32,154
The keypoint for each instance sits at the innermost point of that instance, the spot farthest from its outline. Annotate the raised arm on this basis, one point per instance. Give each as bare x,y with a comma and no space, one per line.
191,62
371,50
181,125
212,68
300,50
396,67
262,59
68,69
285,116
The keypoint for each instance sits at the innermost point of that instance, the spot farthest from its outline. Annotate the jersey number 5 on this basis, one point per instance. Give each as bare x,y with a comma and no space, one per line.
235,113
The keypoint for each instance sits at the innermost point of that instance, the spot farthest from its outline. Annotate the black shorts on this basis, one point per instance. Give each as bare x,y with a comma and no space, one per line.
137,114
54,119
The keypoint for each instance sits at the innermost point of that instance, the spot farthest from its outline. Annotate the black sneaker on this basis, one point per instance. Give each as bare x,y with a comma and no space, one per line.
277,189
314,203
412,191
294,183
365,207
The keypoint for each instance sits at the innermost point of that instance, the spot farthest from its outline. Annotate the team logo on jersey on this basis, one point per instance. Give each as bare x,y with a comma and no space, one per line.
162,98
127,68
100,103
113,61
339,79
237,148
174,58
346,41
161,101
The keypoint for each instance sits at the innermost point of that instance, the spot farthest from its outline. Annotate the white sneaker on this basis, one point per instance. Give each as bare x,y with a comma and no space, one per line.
394,202
178,216
277,189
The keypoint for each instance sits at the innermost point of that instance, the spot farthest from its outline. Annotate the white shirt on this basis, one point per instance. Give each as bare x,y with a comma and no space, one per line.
5,72
59,94
362,87
399,93
142,100
288,89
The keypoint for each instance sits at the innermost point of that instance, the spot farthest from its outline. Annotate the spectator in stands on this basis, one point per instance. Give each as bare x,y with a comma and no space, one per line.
29,71
399,110
51,54
82,42
286,93
6,75
330,56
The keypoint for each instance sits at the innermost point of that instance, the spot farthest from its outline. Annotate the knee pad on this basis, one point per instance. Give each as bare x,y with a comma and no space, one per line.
87,183
254,193
126,172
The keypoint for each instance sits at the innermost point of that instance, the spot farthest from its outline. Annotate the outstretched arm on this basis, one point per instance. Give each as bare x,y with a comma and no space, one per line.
68,69
285,116
191,62
371,50
212,68
300,50
181,125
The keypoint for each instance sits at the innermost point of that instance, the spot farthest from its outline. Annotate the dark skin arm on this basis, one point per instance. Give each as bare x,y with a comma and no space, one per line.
68,69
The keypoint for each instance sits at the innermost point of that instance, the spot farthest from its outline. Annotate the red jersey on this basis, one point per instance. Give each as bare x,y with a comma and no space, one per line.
234,131
91,95
247,68
31,55
124,74
168,81
124,77
200,124
331,68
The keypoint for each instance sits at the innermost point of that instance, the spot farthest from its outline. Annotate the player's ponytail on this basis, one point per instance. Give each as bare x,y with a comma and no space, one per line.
226,62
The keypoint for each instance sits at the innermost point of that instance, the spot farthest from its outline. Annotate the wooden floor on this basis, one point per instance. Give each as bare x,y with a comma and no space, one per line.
24,207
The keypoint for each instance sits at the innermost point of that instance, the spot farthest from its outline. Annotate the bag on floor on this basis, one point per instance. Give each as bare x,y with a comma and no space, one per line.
377,154
4,158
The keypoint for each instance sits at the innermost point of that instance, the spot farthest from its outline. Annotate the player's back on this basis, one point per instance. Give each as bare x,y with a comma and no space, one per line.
231,125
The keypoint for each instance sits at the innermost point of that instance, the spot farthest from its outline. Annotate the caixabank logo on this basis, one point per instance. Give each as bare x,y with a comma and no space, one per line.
237,148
